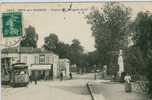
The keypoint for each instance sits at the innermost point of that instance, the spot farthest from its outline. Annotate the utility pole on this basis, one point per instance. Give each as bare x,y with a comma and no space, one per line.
19,52
95,72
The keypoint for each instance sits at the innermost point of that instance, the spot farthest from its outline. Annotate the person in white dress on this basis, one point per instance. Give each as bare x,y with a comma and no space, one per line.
127,79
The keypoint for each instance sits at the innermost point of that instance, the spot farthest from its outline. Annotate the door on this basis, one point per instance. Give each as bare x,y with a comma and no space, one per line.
51,72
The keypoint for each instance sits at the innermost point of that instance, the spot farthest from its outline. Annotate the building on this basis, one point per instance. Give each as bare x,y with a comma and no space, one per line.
4,78
44,62
64,67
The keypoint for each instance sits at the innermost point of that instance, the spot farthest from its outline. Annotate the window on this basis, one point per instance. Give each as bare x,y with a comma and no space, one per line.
36,60
42,59
51,59
25,59
47,59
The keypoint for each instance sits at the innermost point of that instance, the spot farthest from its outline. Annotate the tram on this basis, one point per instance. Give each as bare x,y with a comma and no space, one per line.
19,75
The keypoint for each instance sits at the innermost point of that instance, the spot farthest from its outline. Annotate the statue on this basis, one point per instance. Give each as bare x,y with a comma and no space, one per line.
104,71
120,63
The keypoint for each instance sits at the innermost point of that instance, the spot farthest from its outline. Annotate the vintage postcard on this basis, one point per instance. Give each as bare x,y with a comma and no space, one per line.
76,50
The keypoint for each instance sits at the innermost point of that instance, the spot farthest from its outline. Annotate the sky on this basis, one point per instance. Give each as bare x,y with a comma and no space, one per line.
50,18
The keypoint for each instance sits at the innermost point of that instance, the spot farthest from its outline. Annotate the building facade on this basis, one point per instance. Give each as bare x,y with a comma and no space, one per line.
42,61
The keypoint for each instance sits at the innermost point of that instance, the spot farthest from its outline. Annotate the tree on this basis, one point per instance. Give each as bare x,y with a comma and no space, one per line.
51,42
73,52
110,28
63,50
31,38
92,58
143,31
143,38
133,61
76,46
76,52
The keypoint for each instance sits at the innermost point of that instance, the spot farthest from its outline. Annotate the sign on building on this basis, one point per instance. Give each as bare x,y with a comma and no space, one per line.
12,24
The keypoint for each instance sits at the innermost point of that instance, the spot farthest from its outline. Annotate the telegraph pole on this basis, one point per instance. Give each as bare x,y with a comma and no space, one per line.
95,67
19,52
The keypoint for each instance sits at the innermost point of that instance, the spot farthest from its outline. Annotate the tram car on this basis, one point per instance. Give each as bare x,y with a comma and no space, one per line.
19,75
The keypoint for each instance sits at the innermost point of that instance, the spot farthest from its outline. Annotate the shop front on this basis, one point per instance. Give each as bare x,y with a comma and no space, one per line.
41,72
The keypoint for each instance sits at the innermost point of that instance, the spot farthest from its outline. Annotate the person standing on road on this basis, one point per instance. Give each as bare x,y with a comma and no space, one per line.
61,76
31,78
35,77
70,74
127,79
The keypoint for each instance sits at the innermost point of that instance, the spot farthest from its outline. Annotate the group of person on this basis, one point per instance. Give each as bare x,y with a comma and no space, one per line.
61,76
34,77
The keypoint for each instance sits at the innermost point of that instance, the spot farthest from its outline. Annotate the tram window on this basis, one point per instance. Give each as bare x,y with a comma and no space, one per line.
22,72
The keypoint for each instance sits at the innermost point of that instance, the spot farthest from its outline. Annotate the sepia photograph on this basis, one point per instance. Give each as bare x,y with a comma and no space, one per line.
72,50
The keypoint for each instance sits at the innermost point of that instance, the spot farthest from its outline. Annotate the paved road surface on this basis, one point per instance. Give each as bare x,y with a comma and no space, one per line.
51,90
69,90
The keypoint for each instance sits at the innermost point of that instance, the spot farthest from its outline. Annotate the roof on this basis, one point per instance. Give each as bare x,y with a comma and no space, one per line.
25,50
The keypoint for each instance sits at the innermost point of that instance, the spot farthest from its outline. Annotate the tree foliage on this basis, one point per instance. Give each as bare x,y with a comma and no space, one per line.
31,38
76,52
73,52
92,58
143,31
51,42
110,28
133,61
63,50
143,38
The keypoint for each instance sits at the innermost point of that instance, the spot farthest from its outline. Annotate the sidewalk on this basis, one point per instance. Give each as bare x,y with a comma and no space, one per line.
106,90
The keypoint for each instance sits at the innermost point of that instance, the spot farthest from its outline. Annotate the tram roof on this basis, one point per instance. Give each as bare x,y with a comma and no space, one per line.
20,65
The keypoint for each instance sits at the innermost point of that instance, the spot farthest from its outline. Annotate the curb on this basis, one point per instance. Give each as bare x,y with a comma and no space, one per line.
92,92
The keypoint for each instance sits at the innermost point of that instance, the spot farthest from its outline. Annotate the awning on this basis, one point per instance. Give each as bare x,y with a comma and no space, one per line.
40,67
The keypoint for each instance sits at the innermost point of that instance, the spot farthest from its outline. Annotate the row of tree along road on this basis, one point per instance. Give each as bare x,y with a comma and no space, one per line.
112,28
